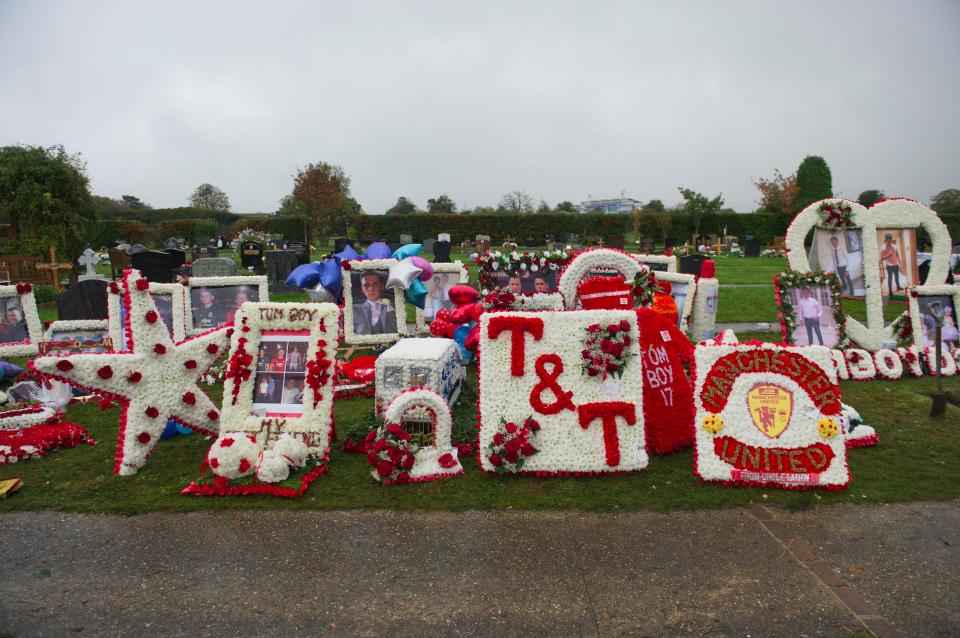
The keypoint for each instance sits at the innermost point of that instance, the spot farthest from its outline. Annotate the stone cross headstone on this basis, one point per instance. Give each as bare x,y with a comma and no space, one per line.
214,267
89,260
406,238
279,264
83,300
155,265
251,255
55,267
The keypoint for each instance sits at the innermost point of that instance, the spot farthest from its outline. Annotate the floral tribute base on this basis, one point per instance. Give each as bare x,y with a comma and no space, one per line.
532,368
38,440
293,487
769,415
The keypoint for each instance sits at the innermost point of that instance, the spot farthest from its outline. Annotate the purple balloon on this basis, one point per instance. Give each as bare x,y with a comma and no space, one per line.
425,266
377,250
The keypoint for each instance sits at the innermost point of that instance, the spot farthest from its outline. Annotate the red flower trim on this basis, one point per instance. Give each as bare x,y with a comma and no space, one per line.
318,371
142,284
159,348
151,316
864,441
189,398
105,372
45,437
23,289
223,488
64,365
189,364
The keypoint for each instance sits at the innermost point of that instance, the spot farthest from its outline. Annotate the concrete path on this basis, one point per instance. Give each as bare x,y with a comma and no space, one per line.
831,571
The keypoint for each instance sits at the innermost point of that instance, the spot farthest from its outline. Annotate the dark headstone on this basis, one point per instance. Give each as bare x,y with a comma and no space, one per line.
137,248
172,243
276,244
251,255
340,243
427,246
615,241
203,251
203,241
394,246
83,300
177,257
751,247
669,242
155,266
279,264
441,252
302,250
690,264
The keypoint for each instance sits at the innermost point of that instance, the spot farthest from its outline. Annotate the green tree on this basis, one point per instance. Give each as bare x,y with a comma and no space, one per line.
45,194
209,197
442,205
779,195
544,208
699,206
871,197
814,181
946,202
321,193
403,207
129,201
567,207
654,206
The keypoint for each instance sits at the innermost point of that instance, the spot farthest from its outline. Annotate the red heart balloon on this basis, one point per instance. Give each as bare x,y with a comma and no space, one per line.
462,294
462,314
477,311
472,342
443,329
443,314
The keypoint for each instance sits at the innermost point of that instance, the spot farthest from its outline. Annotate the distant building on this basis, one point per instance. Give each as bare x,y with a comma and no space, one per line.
609,206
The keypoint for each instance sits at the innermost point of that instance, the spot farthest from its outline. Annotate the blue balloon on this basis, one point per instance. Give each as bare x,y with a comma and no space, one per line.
416,293
460,335
170,431
9,369
407,250
377,250
331,277
305,276
347,254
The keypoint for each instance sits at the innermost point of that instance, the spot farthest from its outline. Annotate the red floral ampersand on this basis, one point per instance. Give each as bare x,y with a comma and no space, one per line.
548,381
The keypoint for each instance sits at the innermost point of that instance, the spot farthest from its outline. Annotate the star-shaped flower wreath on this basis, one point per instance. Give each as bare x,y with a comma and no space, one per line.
156,381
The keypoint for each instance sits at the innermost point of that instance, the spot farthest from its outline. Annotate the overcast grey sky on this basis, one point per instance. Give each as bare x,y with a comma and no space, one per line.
562,100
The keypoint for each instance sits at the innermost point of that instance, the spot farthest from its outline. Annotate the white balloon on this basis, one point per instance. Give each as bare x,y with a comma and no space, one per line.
402,274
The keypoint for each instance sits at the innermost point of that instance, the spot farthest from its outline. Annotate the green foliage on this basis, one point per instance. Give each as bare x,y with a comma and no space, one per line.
290,228
699,206
814,181
44,293
497,226
130,201
654,206
442,205
153,216
870,197
44,193
321,192
566,207
210,198
404,207
946,202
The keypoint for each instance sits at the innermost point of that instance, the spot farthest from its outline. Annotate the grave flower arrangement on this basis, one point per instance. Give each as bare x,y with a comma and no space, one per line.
515,263
835,215
391,455
606,349
512,445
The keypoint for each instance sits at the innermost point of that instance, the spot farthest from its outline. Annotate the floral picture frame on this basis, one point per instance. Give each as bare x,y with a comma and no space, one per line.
179,317
23,335
349,269
658,263
259,282
308,415
915,311
492,266
80,325
457,268
690,281
785,281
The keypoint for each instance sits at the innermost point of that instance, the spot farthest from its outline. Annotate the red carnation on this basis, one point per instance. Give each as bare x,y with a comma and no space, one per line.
151,316
227,442
105,372
854,357
613,328
214,463
142,284
114,288
593,327
512,456
585,354
212,348
63,365
244,465
189,398
528,450
134,377
380,445
384,468
495,459
592,371
213,415
498,439
189,364
532,423
345,265
229,332
143,437
152,412
446,460
510,427
159,348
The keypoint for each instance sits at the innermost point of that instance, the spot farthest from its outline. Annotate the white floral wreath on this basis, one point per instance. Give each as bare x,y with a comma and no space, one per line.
427,465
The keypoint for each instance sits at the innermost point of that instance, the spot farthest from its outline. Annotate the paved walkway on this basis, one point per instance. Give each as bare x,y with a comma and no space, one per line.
830,571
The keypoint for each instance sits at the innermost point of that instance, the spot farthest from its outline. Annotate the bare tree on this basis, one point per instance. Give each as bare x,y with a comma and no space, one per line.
518,202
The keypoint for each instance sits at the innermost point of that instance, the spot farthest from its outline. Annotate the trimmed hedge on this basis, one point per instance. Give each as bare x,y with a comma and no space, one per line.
154,216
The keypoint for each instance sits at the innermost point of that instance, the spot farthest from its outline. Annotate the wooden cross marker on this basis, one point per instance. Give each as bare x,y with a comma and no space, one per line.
54,268
600,242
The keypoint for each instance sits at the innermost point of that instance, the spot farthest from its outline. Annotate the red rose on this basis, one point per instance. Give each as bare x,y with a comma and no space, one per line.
159,348
345,265
151,316
143,437
105,372
63,365
585,354
612,367
244,465
624,325
513,445
606,345
617,349
371,435
404,436
227,442
229,332
403,477
613,328
407,462
372,458
380,445
24,288
495,459
153,413
395,454
510,427
512,457
384,468
593,327
446,461
498,439
189,364
213,415
114,288
189,398
212,348
393,428
134,377
142,284
532,423
528,450
626,340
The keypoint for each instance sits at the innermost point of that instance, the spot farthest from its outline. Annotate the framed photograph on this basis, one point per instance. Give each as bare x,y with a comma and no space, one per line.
171,303
372,313
683,290
810,309
658,263
925,302
20,330
521,273
445,276
81,336
831,252
214,301
897,248
283,371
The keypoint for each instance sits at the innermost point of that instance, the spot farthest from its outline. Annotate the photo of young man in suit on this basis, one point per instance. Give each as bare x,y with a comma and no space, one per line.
373,312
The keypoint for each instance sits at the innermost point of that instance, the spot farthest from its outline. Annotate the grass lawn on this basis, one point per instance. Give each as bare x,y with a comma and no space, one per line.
918,459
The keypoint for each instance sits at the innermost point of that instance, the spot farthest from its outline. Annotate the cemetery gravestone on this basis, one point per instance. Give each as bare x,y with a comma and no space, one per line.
406,238
615,241
428,245
279,265
177,257
573,240
302,251
340,243
214,267
551,244
443,237
154,265
89,260
669,243
751,247
441,252
251,255
276,244
690,264
119,260
172,243
203,251
647,246
137,248
483,243
83,300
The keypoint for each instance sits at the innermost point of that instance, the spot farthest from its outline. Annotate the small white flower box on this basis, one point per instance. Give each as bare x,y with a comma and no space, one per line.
428,362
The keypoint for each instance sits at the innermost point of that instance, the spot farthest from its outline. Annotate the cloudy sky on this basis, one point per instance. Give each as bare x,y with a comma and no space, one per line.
563,100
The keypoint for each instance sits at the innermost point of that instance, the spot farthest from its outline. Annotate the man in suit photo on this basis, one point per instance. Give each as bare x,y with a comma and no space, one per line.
374,316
